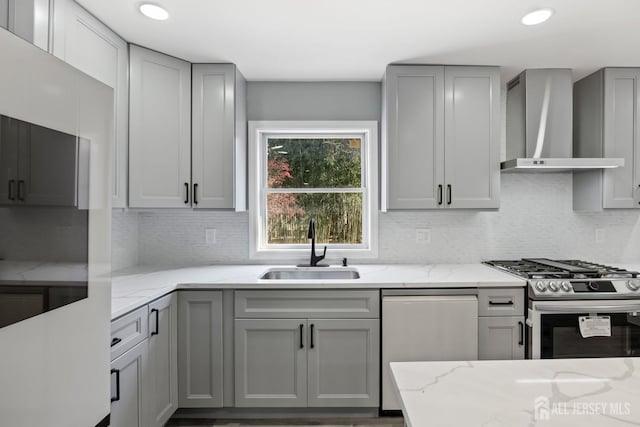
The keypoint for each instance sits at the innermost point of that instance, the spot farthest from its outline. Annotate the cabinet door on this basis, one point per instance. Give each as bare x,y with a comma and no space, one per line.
47,166
218,154
4,13
159,130
472,137
200,349
29,19
344,362
271,362
621,110
8,160
86,43
163,359
413,143
128,387
500,338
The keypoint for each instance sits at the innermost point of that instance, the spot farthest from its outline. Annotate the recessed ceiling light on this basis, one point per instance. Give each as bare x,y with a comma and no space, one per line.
154,11
537,16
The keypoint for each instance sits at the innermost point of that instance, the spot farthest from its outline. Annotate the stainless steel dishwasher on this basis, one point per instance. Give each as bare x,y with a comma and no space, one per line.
423,325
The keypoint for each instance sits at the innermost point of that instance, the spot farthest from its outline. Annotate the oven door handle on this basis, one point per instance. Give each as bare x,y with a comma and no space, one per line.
588,309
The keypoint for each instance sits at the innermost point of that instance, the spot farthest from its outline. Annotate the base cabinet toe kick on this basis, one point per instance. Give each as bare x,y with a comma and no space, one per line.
257,353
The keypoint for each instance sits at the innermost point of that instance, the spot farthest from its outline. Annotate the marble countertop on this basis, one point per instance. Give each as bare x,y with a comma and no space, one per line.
39,271
550,392
134,287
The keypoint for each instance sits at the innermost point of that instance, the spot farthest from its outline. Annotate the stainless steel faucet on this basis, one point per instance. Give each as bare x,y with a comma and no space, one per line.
313,262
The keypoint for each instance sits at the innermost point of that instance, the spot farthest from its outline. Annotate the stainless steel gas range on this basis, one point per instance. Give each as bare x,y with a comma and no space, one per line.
578,308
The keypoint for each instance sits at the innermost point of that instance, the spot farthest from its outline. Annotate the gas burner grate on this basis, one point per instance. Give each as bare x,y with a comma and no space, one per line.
542,268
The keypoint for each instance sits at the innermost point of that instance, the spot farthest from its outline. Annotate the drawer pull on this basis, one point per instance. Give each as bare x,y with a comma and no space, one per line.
115,341
301,338
12,184
117,396
501,302
157,331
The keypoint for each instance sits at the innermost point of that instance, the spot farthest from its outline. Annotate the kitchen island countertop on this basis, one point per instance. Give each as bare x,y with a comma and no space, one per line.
512,393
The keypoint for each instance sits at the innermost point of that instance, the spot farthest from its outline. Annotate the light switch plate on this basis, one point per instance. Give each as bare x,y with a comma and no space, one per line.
210,236
423,236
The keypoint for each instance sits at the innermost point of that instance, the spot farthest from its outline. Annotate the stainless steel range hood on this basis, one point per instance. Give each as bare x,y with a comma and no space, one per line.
540,125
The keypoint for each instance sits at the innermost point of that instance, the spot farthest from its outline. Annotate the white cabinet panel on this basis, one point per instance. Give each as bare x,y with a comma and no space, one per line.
159,136
500,338
200,355
29,19
86,43
128,386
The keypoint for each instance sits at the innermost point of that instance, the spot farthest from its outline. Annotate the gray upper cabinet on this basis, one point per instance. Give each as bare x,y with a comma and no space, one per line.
271,362
28,19
86,43
344,361
162,396
159,130
606,118
219,137
414,136
200,353
441,137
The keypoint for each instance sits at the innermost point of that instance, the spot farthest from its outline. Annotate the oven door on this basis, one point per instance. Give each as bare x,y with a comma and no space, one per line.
555,331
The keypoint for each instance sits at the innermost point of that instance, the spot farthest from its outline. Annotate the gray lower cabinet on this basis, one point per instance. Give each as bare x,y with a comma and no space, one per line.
440,137
162,396
128,408
200,355
500,338
309,348
343,362
271,362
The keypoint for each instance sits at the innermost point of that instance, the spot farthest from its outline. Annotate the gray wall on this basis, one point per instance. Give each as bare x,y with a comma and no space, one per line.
313,100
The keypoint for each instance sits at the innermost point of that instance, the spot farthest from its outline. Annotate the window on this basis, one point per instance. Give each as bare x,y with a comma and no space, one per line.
321,170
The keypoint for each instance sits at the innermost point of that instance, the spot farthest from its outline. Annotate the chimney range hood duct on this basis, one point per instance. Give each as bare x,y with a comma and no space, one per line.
540,125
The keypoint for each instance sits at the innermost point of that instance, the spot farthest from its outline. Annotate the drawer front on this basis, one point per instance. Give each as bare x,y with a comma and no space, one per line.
501,302
129,330
303,304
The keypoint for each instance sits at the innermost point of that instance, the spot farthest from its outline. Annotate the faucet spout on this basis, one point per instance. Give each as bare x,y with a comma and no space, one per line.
315,259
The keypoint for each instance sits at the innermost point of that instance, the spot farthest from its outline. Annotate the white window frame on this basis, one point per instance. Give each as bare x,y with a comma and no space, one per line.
259,132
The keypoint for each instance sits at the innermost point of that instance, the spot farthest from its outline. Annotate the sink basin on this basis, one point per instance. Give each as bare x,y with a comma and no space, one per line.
310,273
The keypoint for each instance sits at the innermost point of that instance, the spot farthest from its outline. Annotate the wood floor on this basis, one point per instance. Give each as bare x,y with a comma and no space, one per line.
303,422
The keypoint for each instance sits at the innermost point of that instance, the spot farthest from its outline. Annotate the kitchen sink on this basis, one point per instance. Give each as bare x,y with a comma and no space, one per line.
310,273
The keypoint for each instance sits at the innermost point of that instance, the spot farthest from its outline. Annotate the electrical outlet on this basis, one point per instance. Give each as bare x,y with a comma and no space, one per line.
210,236
600,235
423,236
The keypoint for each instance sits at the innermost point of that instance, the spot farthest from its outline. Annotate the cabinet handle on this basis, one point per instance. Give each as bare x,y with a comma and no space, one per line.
157,331
115,341
311,333
521,337
439,194
195,194
448,194
21,190
11,187
117,396
301,339
500,302
186,193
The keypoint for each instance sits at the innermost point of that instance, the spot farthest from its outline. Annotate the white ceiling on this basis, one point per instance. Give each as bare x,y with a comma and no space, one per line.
355,39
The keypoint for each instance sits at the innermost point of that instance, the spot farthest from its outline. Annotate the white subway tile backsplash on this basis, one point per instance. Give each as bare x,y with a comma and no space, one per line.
535,219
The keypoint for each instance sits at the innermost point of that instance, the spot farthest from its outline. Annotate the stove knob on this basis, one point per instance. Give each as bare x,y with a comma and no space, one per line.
566,286
541,286
633,285
553,287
